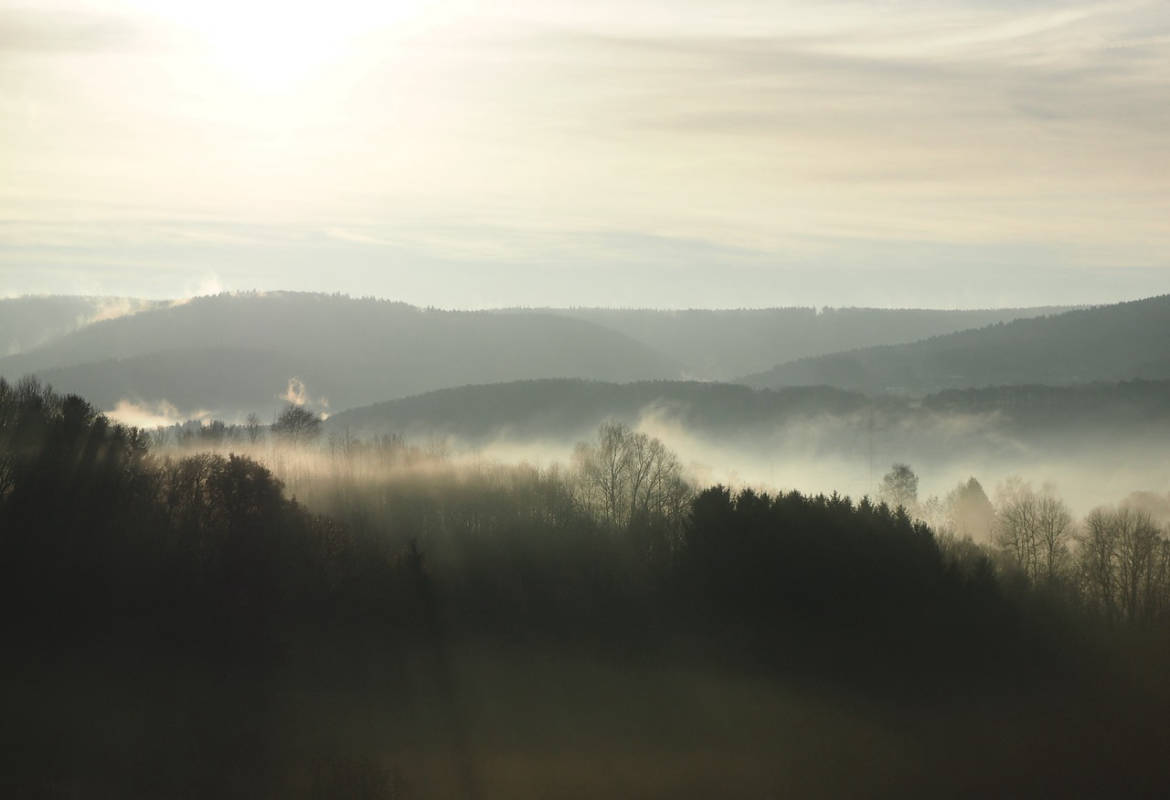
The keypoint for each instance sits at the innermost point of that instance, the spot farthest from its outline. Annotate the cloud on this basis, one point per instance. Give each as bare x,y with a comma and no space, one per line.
108,308
295,393
152,415
955,128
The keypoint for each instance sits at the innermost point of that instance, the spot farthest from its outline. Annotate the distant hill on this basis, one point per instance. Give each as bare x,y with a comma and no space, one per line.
723,344
573,408
1031,409
222,381
1105,343
31,321
706,344
236,353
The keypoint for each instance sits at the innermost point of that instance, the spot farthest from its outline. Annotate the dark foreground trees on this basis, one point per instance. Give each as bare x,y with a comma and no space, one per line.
179,628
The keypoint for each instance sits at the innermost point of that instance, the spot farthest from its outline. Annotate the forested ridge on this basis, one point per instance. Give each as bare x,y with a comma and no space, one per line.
236,352
558,406
179,626
1110,343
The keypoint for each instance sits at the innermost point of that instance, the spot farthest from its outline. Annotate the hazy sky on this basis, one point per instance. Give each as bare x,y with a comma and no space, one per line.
650,153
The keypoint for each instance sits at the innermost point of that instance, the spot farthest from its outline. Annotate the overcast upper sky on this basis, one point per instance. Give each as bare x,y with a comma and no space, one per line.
634,153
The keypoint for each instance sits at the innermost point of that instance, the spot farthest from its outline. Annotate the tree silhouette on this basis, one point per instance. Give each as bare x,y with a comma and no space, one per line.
252,426
1123,565
970,512
1034,530
899,487
297,425
629,477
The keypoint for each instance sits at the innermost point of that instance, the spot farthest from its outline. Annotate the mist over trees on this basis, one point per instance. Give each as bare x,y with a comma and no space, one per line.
296,425
305,599
231,354
974,515
1034,529
628,478
212,611
262,539
899,487
1102,421
1124,568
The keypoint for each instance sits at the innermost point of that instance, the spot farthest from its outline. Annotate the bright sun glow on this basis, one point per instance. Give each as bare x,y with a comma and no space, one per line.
274,45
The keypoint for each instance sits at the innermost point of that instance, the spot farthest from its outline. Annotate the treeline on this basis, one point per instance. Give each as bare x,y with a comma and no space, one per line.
1112,566
179,627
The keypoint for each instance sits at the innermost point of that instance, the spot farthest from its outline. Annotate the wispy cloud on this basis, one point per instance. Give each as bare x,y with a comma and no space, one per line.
547,133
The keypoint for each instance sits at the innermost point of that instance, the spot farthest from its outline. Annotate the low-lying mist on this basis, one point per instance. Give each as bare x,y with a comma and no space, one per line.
814,454
328,615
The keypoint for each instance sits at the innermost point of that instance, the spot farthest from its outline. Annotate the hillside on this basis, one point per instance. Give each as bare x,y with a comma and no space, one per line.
244,349
706,344
573,407
720,344
1106,343
557,407
1093,439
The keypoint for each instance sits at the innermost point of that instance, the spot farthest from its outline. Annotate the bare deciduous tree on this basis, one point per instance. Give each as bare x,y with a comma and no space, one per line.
1124,565
625,476
1034,530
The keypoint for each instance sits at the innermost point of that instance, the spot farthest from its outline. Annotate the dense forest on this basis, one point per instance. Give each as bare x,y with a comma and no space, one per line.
414,626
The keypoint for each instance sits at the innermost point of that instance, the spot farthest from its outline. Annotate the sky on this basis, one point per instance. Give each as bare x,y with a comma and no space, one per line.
637,153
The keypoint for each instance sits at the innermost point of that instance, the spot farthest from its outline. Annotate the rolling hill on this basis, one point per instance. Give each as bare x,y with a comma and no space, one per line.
236,353
558,408
721,344
1106,343
574,407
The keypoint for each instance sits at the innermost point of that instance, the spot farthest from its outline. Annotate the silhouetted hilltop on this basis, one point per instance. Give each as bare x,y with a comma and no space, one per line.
1105,343
721,344
352,351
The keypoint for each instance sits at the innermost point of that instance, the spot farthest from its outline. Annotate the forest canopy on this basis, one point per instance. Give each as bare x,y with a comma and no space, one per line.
249,599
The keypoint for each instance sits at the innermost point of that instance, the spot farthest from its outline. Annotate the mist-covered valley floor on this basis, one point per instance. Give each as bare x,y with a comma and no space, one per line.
322,559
